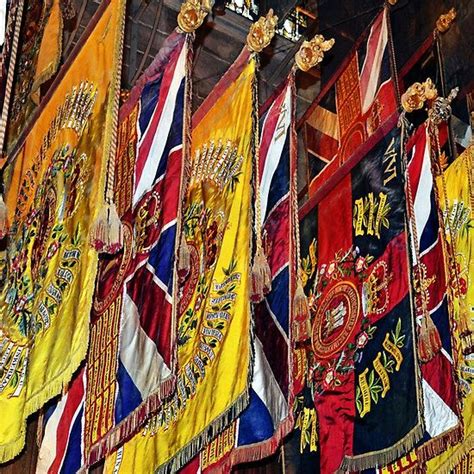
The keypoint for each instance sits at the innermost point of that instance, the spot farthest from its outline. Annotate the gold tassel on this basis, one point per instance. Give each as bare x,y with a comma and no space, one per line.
184,259
3,218
429,341
465,334
301,315
261,276
40,429
107,232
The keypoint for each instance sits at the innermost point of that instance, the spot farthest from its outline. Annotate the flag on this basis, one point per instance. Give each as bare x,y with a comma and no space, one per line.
268,419
455,187
62,446
50,48
353,104
440,404
214,350
364,370
55,182
131,360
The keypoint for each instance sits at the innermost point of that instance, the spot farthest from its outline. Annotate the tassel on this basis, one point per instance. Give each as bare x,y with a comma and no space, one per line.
465,334
184,259
261,277
429,341
107,232
40,429
3,218
301,315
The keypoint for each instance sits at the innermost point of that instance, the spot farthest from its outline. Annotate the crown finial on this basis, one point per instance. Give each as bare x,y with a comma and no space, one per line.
192,14
444,22
417,94
312,52
261,32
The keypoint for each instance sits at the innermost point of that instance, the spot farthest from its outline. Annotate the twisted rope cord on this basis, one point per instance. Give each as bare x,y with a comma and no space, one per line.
11,72
411,210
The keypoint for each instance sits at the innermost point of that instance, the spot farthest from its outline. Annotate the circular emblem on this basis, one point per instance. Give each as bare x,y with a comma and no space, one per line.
336,319
112,273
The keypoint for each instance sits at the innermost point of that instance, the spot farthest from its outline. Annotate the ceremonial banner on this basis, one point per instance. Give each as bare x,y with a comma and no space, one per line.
440,408
132,352
364,371
354,103
56,182
62,445
268,419
214,356
39,54
457,202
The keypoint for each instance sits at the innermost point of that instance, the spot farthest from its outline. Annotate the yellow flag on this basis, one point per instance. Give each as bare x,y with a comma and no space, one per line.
214,322
458,209
56,182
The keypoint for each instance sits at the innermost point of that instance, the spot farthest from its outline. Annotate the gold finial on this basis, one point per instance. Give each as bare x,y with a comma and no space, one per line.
262,32
417,94
192,14
443,23
312,52
392,2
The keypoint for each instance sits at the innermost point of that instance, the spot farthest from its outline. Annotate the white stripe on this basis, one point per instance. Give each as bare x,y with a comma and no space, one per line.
138,352
47,452
277,323
372,86
438,416
161,136
422,199
274,153
266,387
159,283
283,198
156,181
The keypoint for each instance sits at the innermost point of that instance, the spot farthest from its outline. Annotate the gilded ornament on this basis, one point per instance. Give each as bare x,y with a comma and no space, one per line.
312,52
392,2
192,14
262,32
443,23
440,110
417,94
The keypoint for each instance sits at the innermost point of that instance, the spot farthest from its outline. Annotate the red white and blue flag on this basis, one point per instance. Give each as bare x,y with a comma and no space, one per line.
131,359
62,446
441,414
268,418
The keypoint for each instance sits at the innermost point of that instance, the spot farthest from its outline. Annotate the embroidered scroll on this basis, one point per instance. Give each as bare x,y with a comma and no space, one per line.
364,370
55,182
214,316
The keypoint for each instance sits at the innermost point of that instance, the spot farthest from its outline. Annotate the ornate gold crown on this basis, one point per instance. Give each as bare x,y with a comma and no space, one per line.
443,23
262,32
192,14
417,94
312,52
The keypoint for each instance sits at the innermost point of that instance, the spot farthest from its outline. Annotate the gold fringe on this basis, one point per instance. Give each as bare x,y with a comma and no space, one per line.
439,444
261,276
385,456
458,454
